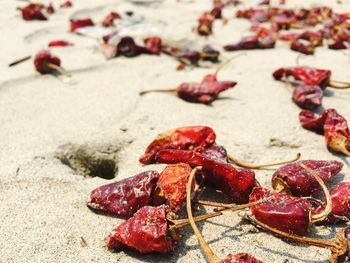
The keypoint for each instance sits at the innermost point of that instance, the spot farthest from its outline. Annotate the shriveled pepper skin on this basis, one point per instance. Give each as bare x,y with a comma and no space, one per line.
172,183
193,138
283,212
241,258
217,153
307,75
206,91
125,197
308,97
42,60
145,232
299,182
340,195
79,23
235,183
310,121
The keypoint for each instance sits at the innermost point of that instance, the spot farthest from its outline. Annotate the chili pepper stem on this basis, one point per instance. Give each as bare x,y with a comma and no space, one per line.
20,60
156,90
328,209
339,84
338,144
58,68
258,166
207,250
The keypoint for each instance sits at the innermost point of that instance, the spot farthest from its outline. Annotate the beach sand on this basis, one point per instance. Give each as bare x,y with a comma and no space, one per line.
98,112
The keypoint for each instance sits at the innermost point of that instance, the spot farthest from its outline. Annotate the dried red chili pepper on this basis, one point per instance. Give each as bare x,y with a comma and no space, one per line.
109,19
333,125
194,138
310,76
205,21
339,246
79,23
171,186
338,44
66,4
286,213
341,203
315,38
33,11
308,97
217,153
153,45
45,63
253,42
60,43
125,197
237,258
288,37
235,183
50,9
293,179
303,47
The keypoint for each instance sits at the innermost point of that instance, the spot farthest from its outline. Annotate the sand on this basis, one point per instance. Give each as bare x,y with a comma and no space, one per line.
98,113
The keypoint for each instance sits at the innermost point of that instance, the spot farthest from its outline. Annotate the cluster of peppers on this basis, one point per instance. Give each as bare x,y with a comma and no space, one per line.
308,94
335,28
152,201
37,11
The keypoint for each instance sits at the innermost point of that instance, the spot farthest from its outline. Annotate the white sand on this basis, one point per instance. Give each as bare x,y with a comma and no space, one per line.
43,213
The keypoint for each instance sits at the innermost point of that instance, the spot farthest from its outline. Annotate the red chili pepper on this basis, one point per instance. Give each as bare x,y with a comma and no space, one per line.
288,37
79,23
315,38
338,245
235,183
293,179
33,11
153,44
60,43
217,153
45,62
253,42
194,138
303,47
66,4
146,232
333,125
171,186
125,197
340,195
109,19
241,258
206,21
50,9
338,44
308,97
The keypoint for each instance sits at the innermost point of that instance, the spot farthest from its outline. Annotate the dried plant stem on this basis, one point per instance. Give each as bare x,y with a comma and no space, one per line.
258,166
328,209
339,84
58,68
156,90
20,60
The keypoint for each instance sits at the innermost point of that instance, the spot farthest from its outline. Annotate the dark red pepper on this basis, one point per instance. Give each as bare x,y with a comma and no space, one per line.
293,179
286,213
153,44
33,11
302,46
79,23
241,258
308,97
66,4
109,19
257,41
332,125
194,138
45,62
125,197
205,21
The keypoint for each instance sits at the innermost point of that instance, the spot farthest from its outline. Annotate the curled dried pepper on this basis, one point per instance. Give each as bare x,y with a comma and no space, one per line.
66,4
171,185
286,213
293,179
340,195
79,23
125,197
310,76
338,246
194,138
333,125
60,43
45,63
308,97
153,44
261,40
33,11
109,19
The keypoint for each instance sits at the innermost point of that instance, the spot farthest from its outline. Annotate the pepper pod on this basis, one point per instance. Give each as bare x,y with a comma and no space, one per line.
79,23
340,195
307,97
236,258
33,11
332,125
310,76
46,63
294,180
289,214
196,139
156,229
